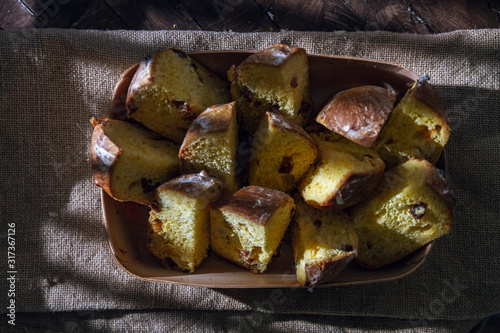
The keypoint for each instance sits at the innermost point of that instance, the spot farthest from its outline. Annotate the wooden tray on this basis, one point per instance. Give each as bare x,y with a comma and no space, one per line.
126,222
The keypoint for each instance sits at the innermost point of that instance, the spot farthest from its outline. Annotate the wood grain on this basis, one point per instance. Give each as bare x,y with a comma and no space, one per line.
153,14
354,15
236,15
386,15
449,15
56,13
294,15
14,15
98,15
407,16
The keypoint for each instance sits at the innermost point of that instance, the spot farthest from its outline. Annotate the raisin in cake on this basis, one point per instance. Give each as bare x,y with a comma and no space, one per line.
282,152
418,127
170,89
345,173
324,242
358,113
247,227
129,161
411,206
211,143
179,229
275,79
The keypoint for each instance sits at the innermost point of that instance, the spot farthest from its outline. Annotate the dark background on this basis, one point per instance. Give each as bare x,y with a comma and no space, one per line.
402,16
411,16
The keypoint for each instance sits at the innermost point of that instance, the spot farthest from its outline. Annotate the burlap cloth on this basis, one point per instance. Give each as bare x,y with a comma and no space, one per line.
53,81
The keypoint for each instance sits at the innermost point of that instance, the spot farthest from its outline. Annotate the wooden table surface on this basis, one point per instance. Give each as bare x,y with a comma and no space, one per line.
408,16
414,16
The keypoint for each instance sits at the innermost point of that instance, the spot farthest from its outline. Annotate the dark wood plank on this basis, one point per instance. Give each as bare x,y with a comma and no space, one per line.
385,15
153,14
56,13
333,15
14,15
415,16
5,7
494,6
98,15
341,17
294,15
235,15
449,15
38,7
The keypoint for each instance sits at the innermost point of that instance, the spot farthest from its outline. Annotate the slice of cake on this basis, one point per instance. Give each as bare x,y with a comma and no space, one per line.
129,161
282,152
324,242
211,143
411,206
358,113
345,174
275,79
169,90
418,127
248,226
179,229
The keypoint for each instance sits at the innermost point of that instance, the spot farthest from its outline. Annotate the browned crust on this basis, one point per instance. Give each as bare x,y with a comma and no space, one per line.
358,113
232,73
436,181
103,155
142,77
306,107
276,55
117,106
194,185
354,189
326,271
216,118
314,128
280,122
424,92
255,203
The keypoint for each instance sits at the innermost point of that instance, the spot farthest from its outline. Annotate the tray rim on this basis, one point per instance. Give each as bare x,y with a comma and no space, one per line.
426,249
104,196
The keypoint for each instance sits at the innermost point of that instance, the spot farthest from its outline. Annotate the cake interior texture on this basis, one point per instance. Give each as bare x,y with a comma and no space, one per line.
254,244
174,91
179,229
181,232
414,130
212,148
281,155
338,159
404,214
146,160
320,237
281,88
250,238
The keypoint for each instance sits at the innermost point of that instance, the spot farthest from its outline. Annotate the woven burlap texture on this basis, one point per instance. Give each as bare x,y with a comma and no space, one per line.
230,321
53,81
